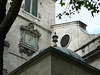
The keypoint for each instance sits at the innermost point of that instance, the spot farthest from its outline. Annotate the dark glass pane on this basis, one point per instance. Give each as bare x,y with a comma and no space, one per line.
34,7
65,40
27,5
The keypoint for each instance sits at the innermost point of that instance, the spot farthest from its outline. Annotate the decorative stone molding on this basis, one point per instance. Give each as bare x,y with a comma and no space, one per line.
29,39
30,28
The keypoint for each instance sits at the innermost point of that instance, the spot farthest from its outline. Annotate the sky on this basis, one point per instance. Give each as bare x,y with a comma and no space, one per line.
93,23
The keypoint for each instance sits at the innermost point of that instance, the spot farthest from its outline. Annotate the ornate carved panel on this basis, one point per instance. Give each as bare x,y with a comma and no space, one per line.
29,39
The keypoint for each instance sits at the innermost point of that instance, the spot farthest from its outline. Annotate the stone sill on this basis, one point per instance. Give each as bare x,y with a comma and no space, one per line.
27,15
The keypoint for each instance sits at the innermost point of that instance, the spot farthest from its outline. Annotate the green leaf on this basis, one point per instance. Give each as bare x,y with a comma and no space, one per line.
98,11
62,3
70,2
92,13
67,13
59,17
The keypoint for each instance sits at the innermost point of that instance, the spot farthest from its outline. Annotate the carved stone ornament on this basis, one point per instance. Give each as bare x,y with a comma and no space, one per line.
29,39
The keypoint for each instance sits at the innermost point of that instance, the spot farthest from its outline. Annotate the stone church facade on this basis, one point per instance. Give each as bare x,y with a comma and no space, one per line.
33,30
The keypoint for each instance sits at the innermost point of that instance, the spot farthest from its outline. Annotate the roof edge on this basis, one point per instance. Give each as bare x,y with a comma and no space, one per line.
79,23
48,51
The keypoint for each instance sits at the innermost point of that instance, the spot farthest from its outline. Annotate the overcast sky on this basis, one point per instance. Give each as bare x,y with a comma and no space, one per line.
93,24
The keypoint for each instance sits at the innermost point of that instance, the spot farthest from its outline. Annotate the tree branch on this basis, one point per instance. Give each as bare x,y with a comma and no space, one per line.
2,9
9,19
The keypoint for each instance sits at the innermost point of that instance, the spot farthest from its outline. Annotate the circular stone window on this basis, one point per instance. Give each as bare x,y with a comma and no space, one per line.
65,40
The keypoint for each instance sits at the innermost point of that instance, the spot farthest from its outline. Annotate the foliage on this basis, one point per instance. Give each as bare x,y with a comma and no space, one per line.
74,6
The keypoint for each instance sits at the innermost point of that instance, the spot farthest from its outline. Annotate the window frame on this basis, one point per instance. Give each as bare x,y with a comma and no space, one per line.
31,8
65,40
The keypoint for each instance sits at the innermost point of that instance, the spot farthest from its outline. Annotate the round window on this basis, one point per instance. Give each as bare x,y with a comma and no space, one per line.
65,40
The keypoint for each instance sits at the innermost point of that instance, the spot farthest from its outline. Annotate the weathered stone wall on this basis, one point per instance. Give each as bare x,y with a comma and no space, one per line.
90,46
43,67
80,40
45,17
63,67
79,37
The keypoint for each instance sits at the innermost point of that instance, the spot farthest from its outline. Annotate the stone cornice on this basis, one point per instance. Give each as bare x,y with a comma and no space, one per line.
77,23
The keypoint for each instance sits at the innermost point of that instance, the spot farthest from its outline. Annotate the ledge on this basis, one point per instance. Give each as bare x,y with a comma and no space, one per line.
79,23
93,55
